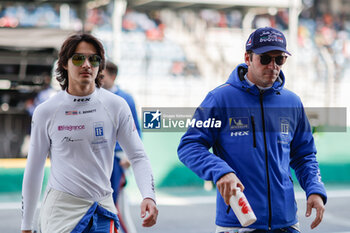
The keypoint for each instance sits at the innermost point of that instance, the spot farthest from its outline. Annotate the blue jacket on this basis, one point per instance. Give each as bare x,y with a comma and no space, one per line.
262,135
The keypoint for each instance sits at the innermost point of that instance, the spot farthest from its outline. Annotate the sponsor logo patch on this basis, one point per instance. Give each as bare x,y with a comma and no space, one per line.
268,36
239,123
70,139
98,128
99,141
240,133
249,42
68,113
284,130
75,112
71,127
81,99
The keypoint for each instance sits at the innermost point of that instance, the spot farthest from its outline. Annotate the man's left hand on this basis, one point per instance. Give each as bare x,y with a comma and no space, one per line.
149,206
315,201
124,163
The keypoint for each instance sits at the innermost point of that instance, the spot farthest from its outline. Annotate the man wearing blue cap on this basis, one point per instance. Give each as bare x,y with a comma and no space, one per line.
264,132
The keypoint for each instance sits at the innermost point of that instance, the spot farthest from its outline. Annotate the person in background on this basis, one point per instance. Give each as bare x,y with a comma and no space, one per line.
121,163
44,94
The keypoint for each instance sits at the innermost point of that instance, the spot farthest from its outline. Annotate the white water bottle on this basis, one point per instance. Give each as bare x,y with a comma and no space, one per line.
242,209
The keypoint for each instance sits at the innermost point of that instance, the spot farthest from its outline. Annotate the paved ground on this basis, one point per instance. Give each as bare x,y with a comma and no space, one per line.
193,211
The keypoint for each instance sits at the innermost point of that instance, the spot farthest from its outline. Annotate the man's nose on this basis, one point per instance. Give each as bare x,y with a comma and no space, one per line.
86,63
272,63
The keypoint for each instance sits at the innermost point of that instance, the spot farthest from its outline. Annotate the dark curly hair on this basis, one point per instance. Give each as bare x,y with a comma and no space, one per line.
68,49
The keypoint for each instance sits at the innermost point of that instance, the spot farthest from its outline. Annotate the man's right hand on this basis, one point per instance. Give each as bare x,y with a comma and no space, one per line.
227,186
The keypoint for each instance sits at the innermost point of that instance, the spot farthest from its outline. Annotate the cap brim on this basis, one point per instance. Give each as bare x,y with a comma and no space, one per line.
266,49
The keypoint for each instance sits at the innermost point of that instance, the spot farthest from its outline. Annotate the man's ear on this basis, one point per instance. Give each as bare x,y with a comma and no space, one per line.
247,58
65,66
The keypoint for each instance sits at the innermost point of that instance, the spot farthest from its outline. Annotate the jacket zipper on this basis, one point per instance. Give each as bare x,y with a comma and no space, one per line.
291,180
266,156
253,128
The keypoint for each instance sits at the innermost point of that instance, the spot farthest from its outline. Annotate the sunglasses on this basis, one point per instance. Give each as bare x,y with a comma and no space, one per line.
79,59
266,59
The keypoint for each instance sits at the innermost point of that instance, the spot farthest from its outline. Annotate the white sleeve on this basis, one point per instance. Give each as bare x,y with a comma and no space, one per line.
130,141
34,171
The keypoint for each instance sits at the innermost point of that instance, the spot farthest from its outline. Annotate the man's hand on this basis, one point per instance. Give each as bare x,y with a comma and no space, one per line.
148,205
227,186
124,163
315,201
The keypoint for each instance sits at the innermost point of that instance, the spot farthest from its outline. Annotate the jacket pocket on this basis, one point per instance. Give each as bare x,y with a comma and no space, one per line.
253,129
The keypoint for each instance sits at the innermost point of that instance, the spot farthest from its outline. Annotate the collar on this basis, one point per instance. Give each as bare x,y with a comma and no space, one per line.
252,84
80,99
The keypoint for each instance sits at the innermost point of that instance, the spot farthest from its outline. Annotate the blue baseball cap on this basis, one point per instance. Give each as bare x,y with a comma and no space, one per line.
266,39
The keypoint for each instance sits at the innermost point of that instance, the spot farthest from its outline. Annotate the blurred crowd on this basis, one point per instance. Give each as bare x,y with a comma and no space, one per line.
318,27
329,33
14,15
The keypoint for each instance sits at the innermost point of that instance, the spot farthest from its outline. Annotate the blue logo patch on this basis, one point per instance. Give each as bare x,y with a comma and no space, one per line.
152,119
239,123
98,128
